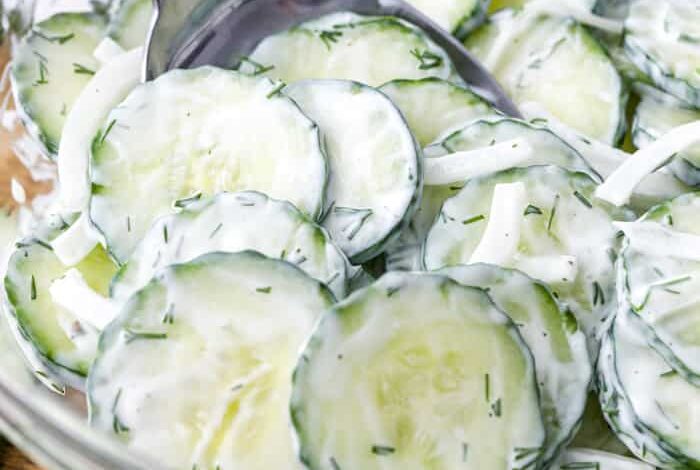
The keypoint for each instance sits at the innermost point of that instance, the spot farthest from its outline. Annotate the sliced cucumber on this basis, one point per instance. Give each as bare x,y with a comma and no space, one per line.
232,222
371,50
545,148
60,336
129,22
196,370
194,132
556,63
617,409
458,16
542,220
662,38
658,113
433,106
416,372
589,459
661,420
661,272
559,348
502,4
375,173
50,67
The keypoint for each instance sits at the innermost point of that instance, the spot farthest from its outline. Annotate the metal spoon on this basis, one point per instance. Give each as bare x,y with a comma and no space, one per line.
190,33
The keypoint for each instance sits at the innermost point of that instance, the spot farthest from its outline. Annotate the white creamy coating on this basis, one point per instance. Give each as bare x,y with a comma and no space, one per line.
214,389
447,13
72,293
74,244
232,222
373,160
107,50
658,240
105,90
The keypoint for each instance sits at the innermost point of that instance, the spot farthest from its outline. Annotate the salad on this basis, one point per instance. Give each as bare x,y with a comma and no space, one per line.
335,254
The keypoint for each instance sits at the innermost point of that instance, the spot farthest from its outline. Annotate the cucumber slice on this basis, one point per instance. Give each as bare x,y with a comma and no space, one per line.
661,272
559,348
129,22
617,409
58,335
542,220
556,63
589,459
433,106
50,67
458,16
196,370
231,222
661,39
658,113
415,372
664,407
545,148
503,4
339,45
375,174
200,131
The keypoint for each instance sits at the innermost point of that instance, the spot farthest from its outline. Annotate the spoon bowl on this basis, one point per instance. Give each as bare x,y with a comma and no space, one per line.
187,34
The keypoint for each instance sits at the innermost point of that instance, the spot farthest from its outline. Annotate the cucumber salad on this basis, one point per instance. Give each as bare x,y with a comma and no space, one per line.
335,254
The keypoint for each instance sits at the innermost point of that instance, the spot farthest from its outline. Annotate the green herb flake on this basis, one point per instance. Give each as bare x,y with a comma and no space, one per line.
32,293
216,230
382,450
107,131
62,39
169,316
580,466
427,60
471,220
530,209
583,200
553,213
132,335
497,408
598,294
82,70
264,290
258,68
669,373
465,451
487,387
334,464
276,91
329,38
165,234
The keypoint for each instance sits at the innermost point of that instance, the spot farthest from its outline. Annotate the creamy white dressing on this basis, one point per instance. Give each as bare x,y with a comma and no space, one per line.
72,293
75,243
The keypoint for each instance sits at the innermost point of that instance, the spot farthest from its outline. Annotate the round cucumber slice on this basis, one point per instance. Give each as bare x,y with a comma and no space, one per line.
371,50
660,407
658,113
200,131
661,272
60,336
375,173
433,106
458,16
661,38
50,67
494,137
542,220
558,347
417,371
232,222
557,64
196,371
129,22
